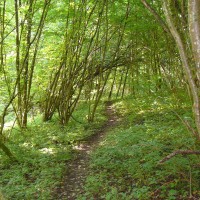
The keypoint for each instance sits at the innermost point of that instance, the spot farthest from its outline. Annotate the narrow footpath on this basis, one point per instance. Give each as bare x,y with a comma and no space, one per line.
78,169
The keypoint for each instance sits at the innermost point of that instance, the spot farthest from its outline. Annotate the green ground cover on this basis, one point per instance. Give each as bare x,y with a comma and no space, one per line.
43,150
125,166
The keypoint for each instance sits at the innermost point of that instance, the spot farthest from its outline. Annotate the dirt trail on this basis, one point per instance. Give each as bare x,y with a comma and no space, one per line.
77,169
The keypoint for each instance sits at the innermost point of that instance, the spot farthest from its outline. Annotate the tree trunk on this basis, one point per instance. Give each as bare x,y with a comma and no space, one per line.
194,29
7,151
185,61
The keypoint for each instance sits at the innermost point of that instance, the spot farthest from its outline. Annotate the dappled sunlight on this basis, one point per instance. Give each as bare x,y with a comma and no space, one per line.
27,144
94,94
9,125
141,112
48,150
82,147
136,148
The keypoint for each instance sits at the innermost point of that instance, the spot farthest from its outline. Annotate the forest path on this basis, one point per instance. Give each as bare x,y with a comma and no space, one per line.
78,169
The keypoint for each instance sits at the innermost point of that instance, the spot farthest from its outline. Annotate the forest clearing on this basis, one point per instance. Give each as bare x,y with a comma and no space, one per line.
99,99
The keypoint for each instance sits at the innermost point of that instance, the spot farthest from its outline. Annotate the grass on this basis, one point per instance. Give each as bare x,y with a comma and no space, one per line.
42,150
125,166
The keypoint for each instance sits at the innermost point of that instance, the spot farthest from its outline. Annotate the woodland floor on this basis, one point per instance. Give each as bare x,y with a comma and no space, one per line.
78,168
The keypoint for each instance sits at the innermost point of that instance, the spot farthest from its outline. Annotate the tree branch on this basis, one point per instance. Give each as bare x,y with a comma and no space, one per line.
182,152
157,16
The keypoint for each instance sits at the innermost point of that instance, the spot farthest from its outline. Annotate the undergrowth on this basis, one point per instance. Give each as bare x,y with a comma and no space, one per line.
125,166
42,150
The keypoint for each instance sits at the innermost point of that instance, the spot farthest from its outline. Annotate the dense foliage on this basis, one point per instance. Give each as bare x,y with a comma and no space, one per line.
43,151
60,60
126,165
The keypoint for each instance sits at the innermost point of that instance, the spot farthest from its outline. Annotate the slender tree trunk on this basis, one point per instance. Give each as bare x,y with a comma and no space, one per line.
112,85
124,84
194,29
27,43
7,151
186,66
17,63
156,15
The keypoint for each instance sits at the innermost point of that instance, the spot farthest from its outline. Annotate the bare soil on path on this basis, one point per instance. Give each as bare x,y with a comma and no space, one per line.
78,168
